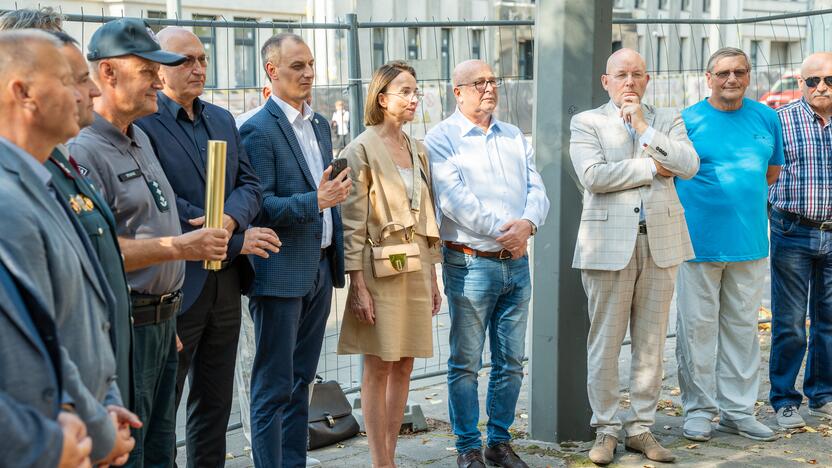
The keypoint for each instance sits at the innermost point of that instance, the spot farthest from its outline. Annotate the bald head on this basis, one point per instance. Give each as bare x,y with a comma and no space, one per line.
469,70
815,62
625,57
172,36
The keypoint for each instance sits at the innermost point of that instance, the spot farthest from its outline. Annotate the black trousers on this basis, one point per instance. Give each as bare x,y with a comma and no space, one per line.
209,331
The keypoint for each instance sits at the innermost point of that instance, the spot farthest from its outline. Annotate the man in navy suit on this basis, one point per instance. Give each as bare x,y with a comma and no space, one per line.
209,323
290,149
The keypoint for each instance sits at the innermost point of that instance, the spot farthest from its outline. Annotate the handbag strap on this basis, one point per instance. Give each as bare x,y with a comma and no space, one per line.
408,233
416,195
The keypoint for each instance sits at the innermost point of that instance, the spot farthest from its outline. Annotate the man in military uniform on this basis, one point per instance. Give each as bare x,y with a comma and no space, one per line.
84,200
124,62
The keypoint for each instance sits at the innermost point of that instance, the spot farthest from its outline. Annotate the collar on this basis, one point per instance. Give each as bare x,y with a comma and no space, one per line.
28,160
292,113
176,109
808,109
112,134
466,126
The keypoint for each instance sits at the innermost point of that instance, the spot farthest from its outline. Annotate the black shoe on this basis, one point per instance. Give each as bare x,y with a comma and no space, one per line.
503,455
470,459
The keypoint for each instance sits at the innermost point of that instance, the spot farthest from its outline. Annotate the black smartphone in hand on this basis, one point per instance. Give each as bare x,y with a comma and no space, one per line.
338,166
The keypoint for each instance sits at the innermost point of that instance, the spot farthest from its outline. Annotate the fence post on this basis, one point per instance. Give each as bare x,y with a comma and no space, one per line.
572,41
354,78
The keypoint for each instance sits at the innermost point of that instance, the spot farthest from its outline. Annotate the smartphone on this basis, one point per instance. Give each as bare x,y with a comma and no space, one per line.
338,165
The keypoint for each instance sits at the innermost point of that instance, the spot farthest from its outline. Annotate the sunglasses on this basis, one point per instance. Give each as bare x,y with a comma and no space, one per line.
814,81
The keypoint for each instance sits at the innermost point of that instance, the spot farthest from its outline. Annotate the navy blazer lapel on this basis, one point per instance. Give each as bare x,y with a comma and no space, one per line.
289,133
326,155
29,183
170,124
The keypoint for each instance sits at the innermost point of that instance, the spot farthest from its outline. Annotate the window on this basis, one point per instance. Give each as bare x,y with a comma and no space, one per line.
525,59
413,43
638,4
683,53
616,45
476,44
445,52
378,47
685,5
704,53
245,55
208,36
276,31
755,53
662,4
706,6
661,54
153,14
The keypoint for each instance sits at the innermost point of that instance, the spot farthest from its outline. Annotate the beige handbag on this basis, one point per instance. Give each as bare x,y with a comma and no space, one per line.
394,259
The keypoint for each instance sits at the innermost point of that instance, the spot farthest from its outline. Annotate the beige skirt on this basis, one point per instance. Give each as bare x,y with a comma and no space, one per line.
402,305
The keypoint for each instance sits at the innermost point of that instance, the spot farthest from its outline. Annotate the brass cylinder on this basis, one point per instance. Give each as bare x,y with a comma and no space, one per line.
214,192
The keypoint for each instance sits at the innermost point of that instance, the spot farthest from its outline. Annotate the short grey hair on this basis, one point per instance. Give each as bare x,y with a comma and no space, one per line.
17,49
271,48
727,52
46,19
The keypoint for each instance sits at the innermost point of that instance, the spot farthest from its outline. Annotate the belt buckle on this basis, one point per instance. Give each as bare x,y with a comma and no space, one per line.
162,300
826,226
504,252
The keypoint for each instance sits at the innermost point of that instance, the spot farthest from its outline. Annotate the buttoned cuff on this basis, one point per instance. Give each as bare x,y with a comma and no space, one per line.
647,137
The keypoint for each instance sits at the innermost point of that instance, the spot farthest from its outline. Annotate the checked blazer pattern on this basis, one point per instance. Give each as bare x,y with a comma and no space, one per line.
618,182
290,205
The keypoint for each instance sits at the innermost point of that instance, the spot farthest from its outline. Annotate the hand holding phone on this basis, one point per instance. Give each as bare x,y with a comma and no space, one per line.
338,165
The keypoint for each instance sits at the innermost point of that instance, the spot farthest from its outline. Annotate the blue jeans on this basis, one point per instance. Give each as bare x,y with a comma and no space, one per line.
485,294
801,275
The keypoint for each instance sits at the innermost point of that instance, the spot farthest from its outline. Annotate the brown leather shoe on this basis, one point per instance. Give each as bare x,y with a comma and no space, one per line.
503,455
647,444
470,459
603,451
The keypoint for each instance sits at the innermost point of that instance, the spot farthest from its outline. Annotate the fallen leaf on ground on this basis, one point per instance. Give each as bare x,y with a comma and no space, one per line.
675,392
692,446
810,429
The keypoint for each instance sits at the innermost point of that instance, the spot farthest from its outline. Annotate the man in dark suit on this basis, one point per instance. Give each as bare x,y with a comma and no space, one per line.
38,110
209,323
290,149
33,429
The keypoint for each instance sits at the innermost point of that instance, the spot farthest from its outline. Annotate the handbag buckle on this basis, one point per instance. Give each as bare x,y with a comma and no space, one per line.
398,260
329,419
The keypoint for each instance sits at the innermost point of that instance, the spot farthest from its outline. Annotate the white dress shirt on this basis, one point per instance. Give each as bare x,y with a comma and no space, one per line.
482,180
305,134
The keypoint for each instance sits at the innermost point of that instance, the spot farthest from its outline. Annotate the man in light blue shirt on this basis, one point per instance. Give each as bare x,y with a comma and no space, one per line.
490,199
740,146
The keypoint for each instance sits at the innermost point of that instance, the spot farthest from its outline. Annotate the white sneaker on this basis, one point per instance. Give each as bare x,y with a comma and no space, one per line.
314,462
789,418
824,411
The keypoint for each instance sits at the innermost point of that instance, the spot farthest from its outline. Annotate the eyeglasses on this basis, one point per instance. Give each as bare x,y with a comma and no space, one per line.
190,61
814,81
409,96
738,74
482,85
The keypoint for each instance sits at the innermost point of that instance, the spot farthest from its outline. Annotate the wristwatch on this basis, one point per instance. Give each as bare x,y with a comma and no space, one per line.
534,228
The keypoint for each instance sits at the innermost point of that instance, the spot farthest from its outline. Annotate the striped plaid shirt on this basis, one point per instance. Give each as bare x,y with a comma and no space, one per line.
805,183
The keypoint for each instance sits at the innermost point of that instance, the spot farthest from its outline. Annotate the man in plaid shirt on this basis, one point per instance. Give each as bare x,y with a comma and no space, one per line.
801,249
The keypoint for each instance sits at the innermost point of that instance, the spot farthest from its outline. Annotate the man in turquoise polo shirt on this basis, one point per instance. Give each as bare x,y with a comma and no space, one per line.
740,146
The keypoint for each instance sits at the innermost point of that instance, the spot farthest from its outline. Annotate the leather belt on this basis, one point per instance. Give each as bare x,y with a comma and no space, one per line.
822,225
500,255
152,309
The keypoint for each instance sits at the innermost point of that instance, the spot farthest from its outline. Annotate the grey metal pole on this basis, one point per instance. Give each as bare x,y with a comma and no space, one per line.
572,40
354,77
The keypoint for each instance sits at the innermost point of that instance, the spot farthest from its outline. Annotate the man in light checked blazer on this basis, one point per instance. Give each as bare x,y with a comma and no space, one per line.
631,240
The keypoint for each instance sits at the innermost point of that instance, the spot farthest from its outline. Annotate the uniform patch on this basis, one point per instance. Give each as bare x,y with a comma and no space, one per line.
83,170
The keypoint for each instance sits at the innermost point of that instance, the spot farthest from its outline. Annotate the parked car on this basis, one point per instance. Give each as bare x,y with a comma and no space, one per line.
784,91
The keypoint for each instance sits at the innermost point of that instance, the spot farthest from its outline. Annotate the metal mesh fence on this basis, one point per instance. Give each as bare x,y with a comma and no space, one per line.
676,52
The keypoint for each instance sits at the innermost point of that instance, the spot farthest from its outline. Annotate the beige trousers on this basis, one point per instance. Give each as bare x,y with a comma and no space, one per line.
637,297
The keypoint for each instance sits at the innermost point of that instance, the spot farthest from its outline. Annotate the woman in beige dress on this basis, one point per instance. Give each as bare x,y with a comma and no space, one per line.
388,318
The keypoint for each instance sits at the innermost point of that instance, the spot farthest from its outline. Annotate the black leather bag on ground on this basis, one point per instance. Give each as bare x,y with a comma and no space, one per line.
330,415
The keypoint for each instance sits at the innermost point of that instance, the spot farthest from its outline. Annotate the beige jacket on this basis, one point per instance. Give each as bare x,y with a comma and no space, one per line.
379,196
617,180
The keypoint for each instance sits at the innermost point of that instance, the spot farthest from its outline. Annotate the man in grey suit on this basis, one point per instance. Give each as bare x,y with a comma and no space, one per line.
631,240
34,430
38,110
